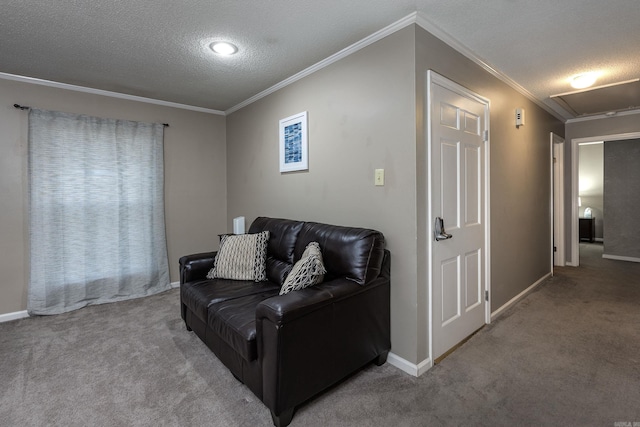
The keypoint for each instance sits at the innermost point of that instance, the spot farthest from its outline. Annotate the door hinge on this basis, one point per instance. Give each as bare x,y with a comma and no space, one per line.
485,136
555,249
486,295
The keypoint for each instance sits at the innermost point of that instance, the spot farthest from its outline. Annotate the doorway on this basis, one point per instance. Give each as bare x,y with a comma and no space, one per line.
575,190
458,212
557,202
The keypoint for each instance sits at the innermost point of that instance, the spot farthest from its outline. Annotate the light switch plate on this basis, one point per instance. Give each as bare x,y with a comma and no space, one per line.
379,177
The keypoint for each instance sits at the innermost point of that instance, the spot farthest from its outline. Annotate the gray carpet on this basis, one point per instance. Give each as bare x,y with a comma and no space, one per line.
567,355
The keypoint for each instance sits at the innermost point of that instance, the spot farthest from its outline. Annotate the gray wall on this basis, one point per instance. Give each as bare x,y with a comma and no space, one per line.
520,175
361,117
622,198
584,129
195,175
366,112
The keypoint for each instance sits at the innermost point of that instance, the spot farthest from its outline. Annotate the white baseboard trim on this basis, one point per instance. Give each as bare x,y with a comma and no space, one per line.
408,367
13,316
518,297
621,258
23,314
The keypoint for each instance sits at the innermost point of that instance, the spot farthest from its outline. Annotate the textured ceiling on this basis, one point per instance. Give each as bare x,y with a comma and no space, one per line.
158,50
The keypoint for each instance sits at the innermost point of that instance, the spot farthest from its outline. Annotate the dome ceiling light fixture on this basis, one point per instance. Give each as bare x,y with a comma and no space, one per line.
223,48
584,80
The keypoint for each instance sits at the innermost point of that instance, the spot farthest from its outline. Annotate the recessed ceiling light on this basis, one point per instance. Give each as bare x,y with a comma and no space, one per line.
584,80
223,48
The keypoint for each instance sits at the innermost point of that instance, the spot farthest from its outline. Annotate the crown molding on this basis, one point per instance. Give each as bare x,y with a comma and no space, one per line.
378,35
432,28
413,18
110,94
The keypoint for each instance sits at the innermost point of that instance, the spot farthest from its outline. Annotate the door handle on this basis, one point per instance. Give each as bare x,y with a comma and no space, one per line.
438,230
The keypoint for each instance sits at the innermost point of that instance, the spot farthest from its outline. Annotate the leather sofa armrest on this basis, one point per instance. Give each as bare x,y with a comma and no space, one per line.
196,266
312,338
295,304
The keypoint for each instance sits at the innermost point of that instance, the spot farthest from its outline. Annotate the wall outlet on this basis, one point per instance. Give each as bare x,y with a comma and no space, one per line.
379,177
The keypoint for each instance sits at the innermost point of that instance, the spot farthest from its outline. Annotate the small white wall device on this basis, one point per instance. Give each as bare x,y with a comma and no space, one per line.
519,117
238,225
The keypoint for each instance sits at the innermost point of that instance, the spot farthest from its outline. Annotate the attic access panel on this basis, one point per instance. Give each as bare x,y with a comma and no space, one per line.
601,100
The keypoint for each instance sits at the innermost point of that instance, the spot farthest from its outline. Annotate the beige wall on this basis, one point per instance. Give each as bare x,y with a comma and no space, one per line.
366,112
519,176
195,175
603,126
520,170
361,117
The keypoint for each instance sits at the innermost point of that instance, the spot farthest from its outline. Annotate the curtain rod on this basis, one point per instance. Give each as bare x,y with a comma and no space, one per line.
24,107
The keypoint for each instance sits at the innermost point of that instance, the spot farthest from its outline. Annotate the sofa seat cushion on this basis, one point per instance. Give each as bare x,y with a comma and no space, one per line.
199,295
234,321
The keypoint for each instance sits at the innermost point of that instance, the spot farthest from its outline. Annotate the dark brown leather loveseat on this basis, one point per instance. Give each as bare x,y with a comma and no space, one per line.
287,348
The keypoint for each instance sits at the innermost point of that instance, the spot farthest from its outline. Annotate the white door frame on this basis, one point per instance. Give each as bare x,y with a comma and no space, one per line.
434,77
557,202
575,177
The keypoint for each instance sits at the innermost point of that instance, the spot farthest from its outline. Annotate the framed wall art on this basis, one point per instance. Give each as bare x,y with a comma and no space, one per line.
294,146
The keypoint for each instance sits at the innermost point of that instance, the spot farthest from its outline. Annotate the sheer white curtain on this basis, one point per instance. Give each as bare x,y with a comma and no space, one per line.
96,205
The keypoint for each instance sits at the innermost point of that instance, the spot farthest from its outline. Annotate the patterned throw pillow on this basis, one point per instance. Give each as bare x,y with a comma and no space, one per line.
241,257
308,271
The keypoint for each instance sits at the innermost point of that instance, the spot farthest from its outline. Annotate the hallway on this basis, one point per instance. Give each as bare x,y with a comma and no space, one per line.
567,354
595,270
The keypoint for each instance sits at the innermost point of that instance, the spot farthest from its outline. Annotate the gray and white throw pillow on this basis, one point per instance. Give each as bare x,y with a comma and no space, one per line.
241,257
308,271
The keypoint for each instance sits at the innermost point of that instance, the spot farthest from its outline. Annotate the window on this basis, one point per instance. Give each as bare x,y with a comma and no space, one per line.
96,194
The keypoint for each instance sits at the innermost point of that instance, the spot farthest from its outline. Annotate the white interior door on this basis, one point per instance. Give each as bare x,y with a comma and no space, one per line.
458,160
557,143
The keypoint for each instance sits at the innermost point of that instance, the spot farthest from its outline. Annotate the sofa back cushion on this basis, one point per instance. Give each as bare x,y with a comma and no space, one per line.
283,234
353,253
